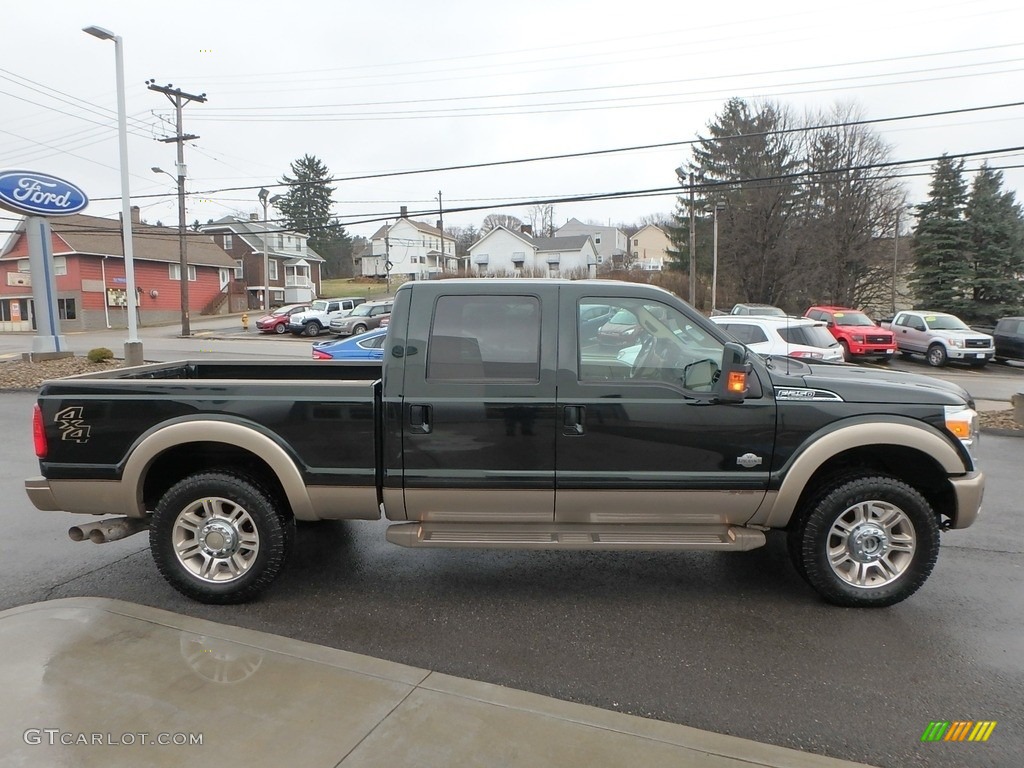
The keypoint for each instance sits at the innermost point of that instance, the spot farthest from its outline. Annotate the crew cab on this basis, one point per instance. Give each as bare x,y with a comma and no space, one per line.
858,333
940,337
496,420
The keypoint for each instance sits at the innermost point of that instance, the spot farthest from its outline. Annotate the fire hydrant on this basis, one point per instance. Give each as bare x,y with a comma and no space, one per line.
245,321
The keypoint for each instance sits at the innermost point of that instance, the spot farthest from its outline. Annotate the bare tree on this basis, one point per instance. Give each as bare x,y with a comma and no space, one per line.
542,220
494,220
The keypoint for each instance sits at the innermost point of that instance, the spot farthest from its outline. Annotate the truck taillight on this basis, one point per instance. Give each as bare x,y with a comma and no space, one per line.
38,432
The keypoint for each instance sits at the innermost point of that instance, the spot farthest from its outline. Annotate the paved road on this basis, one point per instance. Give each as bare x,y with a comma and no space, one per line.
733,643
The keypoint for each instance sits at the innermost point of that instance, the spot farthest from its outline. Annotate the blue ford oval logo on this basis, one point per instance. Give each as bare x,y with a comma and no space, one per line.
40,194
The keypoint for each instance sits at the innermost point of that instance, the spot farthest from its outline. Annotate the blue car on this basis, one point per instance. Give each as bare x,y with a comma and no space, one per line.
365,346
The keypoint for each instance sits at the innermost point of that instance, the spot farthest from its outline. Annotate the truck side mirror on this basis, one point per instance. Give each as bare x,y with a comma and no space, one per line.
732,383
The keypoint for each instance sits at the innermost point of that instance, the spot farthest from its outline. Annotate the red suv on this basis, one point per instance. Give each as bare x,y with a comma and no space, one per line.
858,333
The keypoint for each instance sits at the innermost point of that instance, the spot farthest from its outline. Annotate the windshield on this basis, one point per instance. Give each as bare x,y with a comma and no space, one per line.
623,317
946,323
318,306
858,319
363,310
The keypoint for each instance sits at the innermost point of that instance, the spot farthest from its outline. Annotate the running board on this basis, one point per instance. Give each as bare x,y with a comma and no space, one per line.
575,536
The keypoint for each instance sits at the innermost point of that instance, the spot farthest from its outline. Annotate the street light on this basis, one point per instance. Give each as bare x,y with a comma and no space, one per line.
133,346
182,252
263,196
714,256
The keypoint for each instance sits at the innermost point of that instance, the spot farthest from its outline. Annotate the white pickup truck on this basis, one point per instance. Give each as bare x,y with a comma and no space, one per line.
940,337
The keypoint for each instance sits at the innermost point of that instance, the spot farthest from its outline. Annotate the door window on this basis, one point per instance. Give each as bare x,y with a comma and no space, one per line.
485,338
649,342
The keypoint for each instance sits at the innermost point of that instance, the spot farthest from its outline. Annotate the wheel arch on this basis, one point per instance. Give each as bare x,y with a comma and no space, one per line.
171,451
907,450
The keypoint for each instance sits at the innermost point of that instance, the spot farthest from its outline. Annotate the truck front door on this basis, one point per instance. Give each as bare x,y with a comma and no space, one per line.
639,440
478,434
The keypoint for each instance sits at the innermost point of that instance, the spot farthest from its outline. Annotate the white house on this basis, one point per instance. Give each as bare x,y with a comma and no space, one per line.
504,252
414,250
609,242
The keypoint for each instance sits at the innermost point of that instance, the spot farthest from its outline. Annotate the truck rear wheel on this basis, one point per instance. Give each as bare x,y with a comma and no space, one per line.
219,537
869,541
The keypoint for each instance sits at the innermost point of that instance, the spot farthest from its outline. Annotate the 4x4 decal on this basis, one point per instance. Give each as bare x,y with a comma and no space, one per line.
71,425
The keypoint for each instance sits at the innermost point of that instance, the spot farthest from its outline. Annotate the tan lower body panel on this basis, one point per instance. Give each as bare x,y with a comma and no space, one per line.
332,502
657,507
557,536
491,506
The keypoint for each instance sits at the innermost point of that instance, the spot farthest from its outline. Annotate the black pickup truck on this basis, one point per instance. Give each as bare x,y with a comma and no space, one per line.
498,419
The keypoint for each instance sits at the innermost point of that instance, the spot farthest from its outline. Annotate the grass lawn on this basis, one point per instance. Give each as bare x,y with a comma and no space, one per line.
344,286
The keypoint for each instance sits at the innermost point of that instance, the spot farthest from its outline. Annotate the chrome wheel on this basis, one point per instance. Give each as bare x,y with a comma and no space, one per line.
871,544
216,539
936,356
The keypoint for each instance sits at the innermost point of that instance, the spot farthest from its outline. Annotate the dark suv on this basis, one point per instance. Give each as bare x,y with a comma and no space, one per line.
1009,336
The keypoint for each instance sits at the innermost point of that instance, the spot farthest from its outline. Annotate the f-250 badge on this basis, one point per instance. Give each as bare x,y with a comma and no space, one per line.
71,425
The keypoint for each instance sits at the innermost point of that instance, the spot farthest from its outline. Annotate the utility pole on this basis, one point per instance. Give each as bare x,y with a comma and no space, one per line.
693,248
440,225
179,98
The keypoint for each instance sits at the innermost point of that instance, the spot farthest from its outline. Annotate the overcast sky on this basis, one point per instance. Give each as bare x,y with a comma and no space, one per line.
400,86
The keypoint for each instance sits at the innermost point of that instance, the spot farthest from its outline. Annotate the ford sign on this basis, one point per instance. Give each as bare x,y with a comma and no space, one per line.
39,194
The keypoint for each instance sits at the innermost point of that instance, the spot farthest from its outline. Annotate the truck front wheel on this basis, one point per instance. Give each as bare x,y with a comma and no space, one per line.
936,355
219,537
869,541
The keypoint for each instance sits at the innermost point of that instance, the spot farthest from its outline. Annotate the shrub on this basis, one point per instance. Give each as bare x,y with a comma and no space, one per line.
99,354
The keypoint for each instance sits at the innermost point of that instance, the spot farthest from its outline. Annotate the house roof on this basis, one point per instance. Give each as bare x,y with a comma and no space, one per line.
252,233
570,243
524,237
102,237
419,225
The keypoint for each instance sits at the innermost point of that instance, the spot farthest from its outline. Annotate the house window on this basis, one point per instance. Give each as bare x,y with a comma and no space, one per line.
636,241
273,269
280,241
60,265
227,242
600,259
66,309
23,266
174,272
597,239
239,269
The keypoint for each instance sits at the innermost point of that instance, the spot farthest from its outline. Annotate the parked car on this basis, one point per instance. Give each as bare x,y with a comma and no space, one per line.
766,310
622,329
363,318
367,346
320,313
1009,339
277,321
592,318
859,334
940,337
784,336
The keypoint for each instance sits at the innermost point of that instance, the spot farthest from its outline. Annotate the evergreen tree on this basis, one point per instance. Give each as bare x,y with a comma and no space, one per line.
997,251
306,207
941,276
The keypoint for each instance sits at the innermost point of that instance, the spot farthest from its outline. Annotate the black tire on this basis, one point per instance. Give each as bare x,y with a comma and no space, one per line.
280,328
228,511
846,351
979,364
1001,360
312,329
359,329
889,542
936,356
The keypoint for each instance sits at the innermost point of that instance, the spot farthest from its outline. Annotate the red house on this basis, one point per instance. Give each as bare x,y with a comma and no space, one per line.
88,262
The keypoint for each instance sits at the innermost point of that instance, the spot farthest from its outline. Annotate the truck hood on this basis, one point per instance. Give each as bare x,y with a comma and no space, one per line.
958,334
867,385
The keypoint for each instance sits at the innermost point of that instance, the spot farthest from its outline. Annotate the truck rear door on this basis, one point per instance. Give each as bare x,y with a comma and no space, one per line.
478,410
638,440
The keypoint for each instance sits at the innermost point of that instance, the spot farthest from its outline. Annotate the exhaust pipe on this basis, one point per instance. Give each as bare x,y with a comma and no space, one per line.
108,530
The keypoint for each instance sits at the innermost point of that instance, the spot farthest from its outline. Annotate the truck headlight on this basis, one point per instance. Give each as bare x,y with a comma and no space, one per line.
958,343
963,422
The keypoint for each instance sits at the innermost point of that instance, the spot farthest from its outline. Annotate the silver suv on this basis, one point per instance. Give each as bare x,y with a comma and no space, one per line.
320,313
362,319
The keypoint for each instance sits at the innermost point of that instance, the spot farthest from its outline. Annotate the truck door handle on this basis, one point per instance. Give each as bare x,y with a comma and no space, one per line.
572,420
419,418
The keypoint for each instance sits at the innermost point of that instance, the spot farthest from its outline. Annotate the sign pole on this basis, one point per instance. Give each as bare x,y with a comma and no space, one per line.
40,259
